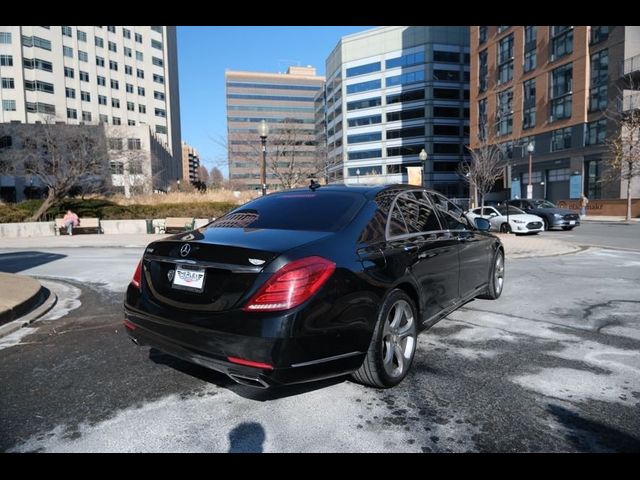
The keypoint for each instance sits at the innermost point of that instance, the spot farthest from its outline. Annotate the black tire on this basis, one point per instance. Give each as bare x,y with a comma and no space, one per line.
496,278
505,228
385,364
546,224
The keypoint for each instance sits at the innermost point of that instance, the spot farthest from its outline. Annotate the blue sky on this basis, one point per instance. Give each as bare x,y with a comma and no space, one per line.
204,53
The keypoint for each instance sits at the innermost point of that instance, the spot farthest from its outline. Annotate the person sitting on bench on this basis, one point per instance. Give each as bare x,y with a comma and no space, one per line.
70,220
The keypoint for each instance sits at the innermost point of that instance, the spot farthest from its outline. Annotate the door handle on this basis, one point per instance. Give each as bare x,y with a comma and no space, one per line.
410,247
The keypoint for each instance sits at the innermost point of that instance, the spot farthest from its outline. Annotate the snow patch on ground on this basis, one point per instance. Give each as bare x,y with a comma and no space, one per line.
15,338
68,299
218,420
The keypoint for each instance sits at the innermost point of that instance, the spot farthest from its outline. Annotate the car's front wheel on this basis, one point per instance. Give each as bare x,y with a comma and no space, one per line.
393,344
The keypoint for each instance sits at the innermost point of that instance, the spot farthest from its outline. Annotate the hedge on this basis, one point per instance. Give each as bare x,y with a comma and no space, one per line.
107,210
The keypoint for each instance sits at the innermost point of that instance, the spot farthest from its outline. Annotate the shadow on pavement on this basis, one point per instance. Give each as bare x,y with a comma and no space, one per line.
247,437
590,436
18,261
221,380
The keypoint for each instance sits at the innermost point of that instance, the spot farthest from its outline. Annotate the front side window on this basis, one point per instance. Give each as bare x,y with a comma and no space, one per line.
451,216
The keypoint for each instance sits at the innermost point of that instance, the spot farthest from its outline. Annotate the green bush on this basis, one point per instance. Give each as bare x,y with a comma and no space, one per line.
107,210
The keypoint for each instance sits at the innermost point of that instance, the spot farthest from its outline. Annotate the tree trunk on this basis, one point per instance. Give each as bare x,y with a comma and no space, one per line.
628,218
48,202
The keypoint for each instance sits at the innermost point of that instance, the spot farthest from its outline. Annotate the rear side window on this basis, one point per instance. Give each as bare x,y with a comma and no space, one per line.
323,211
412,213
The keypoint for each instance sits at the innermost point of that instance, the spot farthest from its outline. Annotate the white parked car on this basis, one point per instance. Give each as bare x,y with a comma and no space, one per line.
516,221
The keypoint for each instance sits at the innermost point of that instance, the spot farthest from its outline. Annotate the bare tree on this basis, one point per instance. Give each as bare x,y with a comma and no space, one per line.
485,168
216,179
64,158
293,153
624,152
203,175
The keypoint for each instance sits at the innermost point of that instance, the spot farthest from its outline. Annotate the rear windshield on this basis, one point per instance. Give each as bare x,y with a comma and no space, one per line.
317,211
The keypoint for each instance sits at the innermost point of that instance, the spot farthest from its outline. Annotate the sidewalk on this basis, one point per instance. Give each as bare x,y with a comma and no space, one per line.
524,246
83,240
606,218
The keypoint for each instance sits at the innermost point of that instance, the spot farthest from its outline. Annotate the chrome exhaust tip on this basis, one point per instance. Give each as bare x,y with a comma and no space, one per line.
248,381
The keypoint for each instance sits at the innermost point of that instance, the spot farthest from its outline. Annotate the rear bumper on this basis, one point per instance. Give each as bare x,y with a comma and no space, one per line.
212,349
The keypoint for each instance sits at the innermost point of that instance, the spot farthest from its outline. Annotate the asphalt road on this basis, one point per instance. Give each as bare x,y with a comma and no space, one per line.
603,234
552,366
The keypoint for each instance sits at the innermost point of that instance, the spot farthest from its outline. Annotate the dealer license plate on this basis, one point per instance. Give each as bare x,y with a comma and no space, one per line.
191,279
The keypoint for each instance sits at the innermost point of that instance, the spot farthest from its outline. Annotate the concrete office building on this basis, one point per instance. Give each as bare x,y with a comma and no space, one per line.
190,163
391,92
118,76
550,86
286,103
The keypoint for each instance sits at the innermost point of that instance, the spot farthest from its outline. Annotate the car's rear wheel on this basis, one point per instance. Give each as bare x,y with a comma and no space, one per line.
393,344
545,224
496,279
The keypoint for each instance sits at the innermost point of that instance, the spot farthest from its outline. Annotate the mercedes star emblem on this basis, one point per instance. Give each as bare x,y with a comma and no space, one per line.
185,249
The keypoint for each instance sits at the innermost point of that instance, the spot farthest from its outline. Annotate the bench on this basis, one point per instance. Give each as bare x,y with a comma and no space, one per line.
178,224
87,225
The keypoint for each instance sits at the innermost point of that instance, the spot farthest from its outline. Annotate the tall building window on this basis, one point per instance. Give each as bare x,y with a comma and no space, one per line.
502,28
6,60
102,100
111,28
160,79
113,65
115,84
131,106
505,59
482,119
561,139
99,61
128,70
116,121
504,112
156,44
158,61
530,48
129,88
126,33
82,36
115,103
561,41
142,109
141,91
67,51
595,132
560,92
138,38
66,31
139,73
102,81
69,72
598,91
594,169
5,37
128,52
483,71
529,104
99,42
72,113
598,34
139,56
482,35
86,116
83,56
8,82
84,76
9,105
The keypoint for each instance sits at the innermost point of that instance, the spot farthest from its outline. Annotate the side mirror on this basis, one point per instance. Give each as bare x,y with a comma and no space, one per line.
482,224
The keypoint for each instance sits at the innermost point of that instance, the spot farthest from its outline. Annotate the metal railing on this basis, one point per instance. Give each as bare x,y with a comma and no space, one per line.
630,65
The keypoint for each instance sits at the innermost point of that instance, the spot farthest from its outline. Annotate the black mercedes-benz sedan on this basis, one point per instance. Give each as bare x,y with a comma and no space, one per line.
313,283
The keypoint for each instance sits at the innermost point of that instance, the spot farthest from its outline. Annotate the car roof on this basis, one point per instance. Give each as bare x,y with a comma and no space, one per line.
368,190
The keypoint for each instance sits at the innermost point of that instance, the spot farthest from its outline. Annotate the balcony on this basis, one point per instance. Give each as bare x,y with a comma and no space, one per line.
630,66
630,101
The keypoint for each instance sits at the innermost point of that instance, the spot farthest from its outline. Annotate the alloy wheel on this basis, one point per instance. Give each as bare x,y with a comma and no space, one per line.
398,339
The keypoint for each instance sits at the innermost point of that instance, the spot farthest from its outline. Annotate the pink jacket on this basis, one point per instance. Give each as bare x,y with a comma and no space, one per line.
71,217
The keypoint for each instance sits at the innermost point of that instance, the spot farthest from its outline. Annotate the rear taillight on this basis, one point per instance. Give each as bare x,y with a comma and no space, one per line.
292,285
137,276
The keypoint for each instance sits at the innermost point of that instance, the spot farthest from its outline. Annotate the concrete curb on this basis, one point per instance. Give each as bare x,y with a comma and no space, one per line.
32,316
36,295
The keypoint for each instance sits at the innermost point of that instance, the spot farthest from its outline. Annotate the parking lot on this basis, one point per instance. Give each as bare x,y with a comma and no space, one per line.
552,366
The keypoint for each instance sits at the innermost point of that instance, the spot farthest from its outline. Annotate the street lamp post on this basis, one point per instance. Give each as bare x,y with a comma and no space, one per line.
423,158
529,185
263,131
